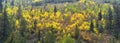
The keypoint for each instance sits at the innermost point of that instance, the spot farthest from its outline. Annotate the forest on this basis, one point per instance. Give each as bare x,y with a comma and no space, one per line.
59,21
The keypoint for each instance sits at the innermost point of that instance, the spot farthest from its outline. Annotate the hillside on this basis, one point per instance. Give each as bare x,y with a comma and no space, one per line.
59,21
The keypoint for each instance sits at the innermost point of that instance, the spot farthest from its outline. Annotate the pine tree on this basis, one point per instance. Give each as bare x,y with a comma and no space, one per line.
50,37
110,18
15,37
35,25
117,21
55,10
19,15
100,28
23,27
109,21
5,27
77,35
91,26
99,16
68,39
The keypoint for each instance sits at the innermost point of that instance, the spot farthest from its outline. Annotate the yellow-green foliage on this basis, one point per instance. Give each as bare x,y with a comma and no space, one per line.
62,22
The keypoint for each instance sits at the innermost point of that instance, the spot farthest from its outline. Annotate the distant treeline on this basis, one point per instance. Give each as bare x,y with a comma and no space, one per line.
52,1
58,1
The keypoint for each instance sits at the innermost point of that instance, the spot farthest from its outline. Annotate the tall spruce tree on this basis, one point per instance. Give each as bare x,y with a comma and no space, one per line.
117,21
91,26
5,26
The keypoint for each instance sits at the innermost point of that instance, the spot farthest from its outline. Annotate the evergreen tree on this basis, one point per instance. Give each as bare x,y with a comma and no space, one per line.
15,37
99,16
50,37
100,28
110,18
91,26
117,21
109,21
77,35
5,28
68,39
55,9
19,15
23,27
35,25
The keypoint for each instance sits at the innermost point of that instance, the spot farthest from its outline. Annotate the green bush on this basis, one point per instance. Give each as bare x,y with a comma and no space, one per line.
67,39
15,37
49,37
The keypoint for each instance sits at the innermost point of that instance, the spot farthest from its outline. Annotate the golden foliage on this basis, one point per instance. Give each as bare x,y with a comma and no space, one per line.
17,24
85,26
9,11
96,30
66,21
12,11
86,36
